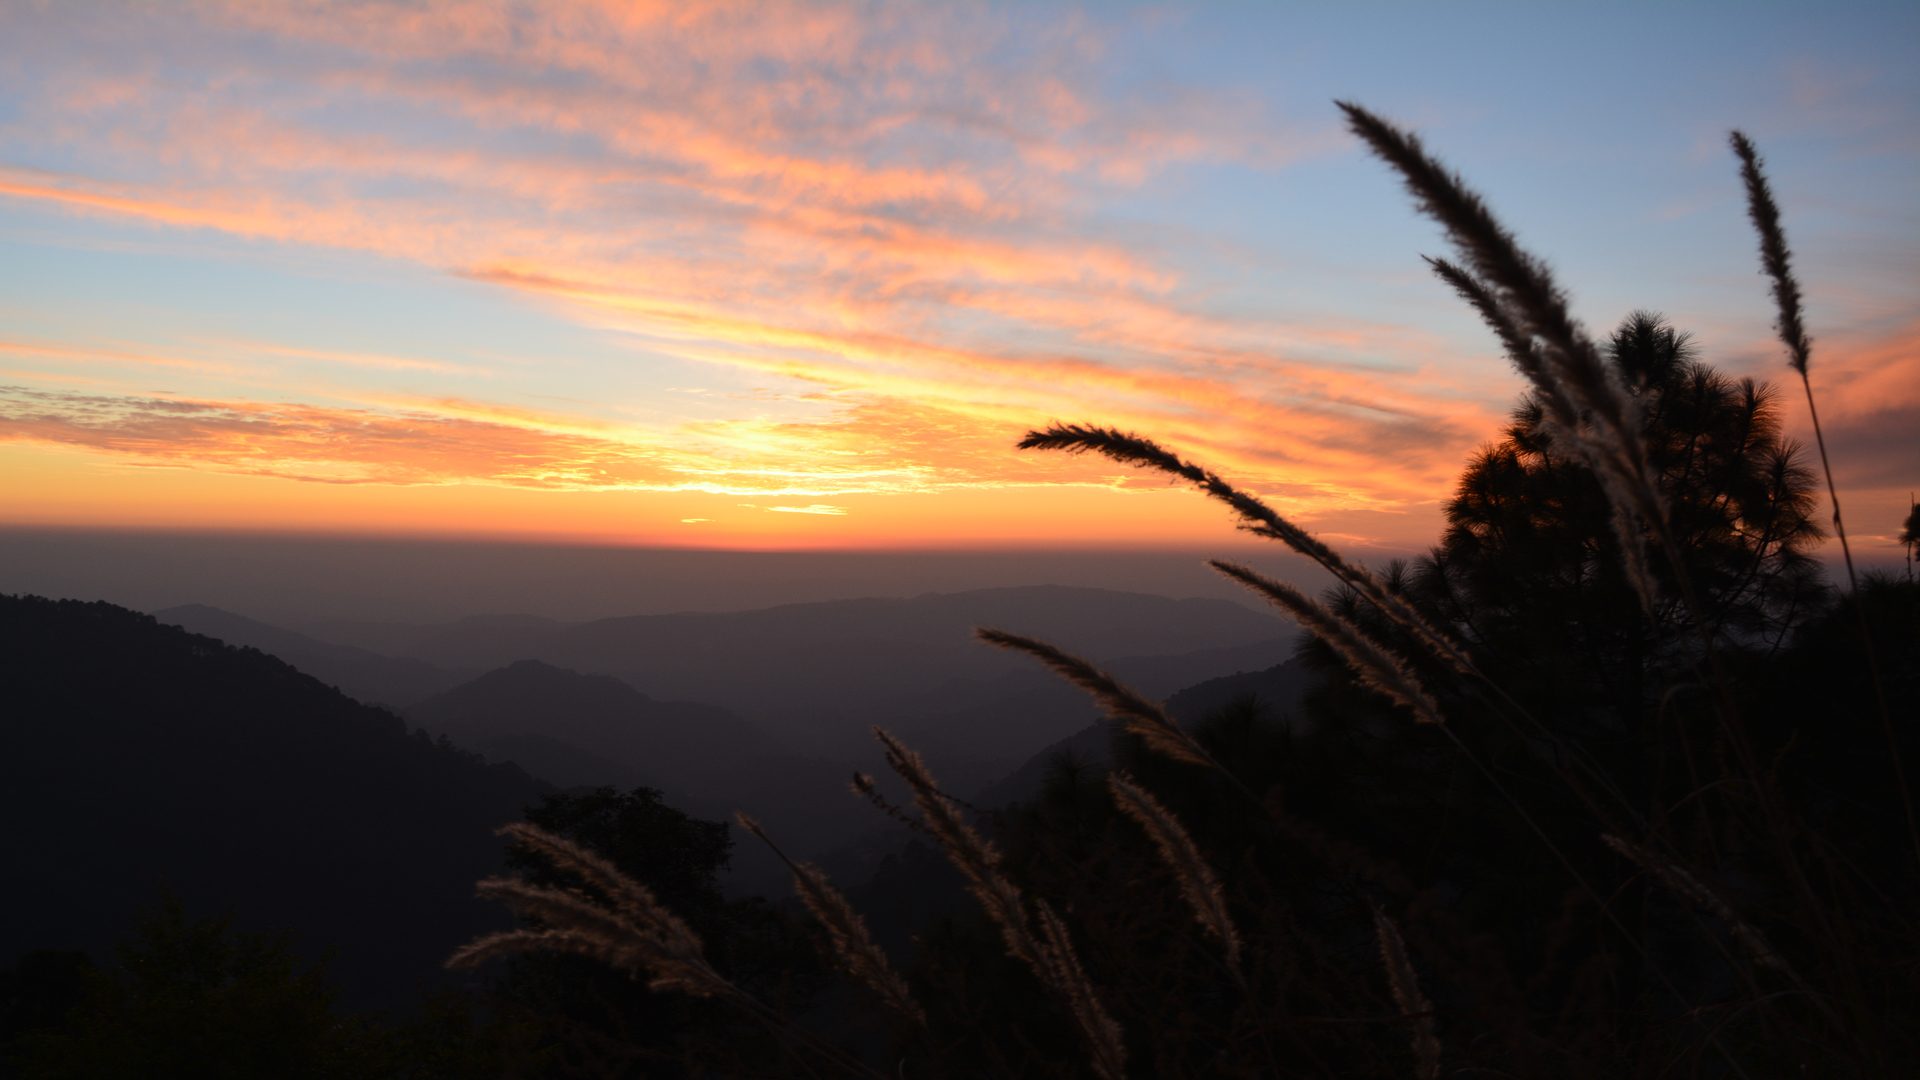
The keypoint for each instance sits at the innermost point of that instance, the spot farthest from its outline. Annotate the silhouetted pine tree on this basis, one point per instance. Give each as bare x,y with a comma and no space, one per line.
1529,571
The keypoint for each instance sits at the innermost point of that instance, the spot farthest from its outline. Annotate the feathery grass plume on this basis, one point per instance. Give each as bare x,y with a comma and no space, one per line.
1689,888
1775,258
1135,712
525,942
578,926
1378,669
630,897
554,907
1560,415
864,787
852,947
972,854
1521,288
1129,449
1255,516
1565,416
1683,884
1049,954
1182,856
1627,537
631,931
1105,1041
1520,283
1405,985
1777,261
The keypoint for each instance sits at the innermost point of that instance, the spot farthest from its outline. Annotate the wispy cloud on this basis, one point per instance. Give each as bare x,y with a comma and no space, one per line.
449,441
896,234
1869,390
872,203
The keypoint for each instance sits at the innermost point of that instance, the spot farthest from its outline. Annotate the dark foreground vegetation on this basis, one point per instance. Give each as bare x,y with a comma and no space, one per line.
1610,783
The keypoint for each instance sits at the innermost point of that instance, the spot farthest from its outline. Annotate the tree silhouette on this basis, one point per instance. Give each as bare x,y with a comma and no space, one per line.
1529,568
194,997
1910,534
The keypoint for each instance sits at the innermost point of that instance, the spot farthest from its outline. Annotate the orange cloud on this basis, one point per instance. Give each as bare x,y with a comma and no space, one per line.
115,357
1868,390
1859,375
1310,424
21,185
451,441
862,205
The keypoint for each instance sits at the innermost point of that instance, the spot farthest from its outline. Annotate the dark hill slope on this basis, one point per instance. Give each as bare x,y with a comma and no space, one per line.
663,744
1277,690
395,682
817,675
136,757
590,730
797,663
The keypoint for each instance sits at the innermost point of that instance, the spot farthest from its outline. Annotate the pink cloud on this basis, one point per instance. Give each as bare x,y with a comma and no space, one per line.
844,197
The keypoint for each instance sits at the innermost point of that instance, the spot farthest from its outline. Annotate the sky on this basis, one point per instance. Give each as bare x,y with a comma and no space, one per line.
793,276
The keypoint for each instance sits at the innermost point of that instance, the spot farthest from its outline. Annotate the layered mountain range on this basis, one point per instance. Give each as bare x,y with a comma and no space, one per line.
350,794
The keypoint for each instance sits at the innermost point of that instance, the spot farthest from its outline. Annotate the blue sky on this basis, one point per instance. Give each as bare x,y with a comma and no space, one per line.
796,275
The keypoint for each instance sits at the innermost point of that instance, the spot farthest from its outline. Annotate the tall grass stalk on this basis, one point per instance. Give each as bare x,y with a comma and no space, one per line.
629,930
1688,887
1569,369
850,946
1137,714
1776,261
1105,1042
1404,983
1516,294
1262,520
1256,517
1181,855
1608,439
1376,667
1378,670
1049,953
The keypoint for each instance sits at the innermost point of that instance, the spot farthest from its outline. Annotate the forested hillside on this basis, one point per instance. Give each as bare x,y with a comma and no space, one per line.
138,761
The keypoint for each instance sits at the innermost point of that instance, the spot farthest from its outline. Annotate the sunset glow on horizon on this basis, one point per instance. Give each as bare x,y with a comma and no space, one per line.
799,276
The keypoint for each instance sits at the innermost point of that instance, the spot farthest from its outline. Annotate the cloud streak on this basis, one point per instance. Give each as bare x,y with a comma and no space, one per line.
455,442
879,239
870,203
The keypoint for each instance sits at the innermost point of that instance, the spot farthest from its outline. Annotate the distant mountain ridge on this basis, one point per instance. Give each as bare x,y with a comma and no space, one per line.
361,674
1278,690
627,736
829,670
584,730
769,710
